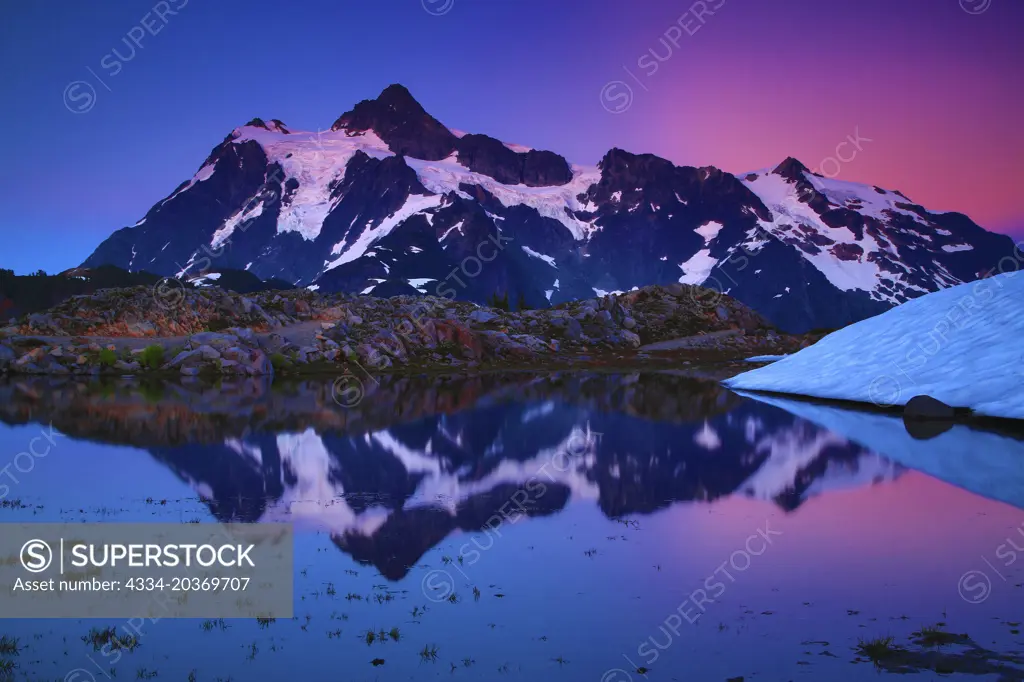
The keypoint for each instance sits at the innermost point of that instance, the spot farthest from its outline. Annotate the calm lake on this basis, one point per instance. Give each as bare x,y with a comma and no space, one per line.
597,527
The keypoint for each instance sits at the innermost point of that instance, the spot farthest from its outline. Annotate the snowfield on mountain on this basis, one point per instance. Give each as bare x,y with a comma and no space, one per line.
961,345
390,201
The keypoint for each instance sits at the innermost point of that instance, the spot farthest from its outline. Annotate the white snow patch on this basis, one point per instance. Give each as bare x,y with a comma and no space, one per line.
953,248
698,267
315,160
557,202
419,282
456,226
709,230
202,174
251,210
413,205
533,254
204,280
960,345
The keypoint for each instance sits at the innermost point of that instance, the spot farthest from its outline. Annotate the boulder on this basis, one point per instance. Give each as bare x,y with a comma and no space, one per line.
389,343
630,338
230,367
185,357
243,334
481,316
927,407
370,357
209,352
462,336
574,330
257,363
925,417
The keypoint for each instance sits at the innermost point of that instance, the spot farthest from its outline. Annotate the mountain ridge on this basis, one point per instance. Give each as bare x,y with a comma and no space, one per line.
391,201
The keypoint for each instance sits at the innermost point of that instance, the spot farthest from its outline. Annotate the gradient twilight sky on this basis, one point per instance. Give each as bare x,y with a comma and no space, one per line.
934,90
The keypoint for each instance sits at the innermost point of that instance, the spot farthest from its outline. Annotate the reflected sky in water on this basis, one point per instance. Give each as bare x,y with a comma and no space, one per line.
607,511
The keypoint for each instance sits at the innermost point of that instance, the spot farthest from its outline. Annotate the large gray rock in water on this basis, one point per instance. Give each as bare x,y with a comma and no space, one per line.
927,407
925,417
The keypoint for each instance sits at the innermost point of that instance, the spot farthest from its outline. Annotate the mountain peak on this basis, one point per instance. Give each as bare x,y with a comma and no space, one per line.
396,92
402,123
275,125
791,169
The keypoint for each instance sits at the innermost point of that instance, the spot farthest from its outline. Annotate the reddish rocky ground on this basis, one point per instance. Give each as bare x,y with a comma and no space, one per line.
192,331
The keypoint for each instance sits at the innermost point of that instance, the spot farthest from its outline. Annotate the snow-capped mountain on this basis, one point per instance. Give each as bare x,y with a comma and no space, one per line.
389,200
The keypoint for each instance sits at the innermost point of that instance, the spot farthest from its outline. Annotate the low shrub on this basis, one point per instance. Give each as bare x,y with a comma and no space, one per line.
152,357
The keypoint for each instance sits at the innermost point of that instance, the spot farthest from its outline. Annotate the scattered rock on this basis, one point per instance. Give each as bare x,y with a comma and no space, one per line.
232,334
481,316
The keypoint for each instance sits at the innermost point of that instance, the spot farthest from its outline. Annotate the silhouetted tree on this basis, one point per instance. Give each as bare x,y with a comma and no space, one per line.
499,302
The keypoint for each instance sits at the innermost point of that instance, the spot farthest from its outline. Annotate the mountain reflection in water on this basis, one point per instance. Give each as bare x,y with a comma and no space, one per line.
541,526
419,458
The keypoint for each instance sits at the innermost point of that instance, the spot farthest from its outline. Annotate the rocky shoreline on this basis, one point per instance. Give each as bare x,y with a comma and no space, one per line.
212,332
167,412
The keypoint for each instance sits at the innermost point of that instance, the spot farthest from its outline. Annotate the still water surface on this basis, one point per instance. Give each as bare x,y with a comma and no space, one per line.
566,527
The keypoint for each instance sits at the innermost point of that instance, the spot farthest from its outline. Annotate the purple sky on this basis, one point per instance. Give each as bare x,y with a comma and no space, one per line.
933,86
